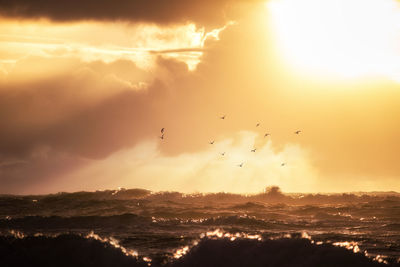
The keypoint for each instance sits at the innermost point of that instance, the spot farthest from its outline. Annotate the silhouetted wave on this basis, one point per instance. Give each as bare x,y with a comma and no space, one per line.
279,253
75,250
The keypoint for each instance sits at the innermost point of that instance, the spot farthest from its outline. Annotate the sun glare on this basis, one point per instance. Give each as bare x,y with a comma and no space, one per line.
345,38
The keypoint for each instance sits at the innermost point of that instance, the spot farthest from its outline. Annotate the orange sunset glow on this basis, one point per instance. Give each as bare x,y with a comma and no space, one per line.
301,94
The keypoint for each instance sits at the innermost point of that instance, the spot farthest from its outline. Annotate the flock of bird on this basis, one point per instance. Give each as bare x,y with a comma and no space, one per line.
223,153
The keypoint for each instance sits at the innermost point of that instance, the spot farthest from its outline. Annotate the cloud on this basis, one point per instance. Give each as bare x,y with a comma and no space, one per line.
149,11
86,112
72,109
56,123
100,41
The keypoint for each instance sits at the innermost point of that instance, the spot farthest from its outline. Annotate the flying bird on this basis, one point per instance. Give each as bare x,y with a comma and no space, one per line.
254,150
162,130
212,142
162,136
297,132
283,164
223,117
258,124
222,154
240,165
267,134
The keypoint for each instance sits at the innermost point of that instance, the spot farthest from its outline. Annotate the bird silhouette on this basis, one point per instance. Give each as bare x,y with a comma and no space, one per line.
240,165
223,117
162,136
162,130
254,150
212,142
297,132
223,154
267,134
283,164
258,124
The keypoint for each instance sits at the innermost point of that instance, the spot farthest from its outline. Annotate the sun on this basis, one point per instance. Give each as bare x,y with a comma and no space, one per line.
339,38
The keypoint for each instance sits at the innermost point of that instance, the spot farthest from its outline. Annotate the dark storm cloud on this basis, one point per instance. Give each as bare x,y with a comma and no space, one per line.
49,127
156,11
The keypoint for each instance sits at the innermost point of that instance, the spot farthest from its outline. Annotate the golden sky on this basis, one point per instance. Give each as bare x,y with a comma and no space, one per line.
86,87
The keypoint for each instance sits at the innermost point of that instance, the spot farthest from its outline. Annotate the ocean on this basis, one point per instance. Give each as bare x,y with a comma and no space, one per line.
137,227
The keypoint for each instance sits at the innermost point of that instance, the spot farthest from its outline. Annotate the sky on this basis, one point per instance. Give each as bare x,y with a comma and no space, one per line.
87,86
